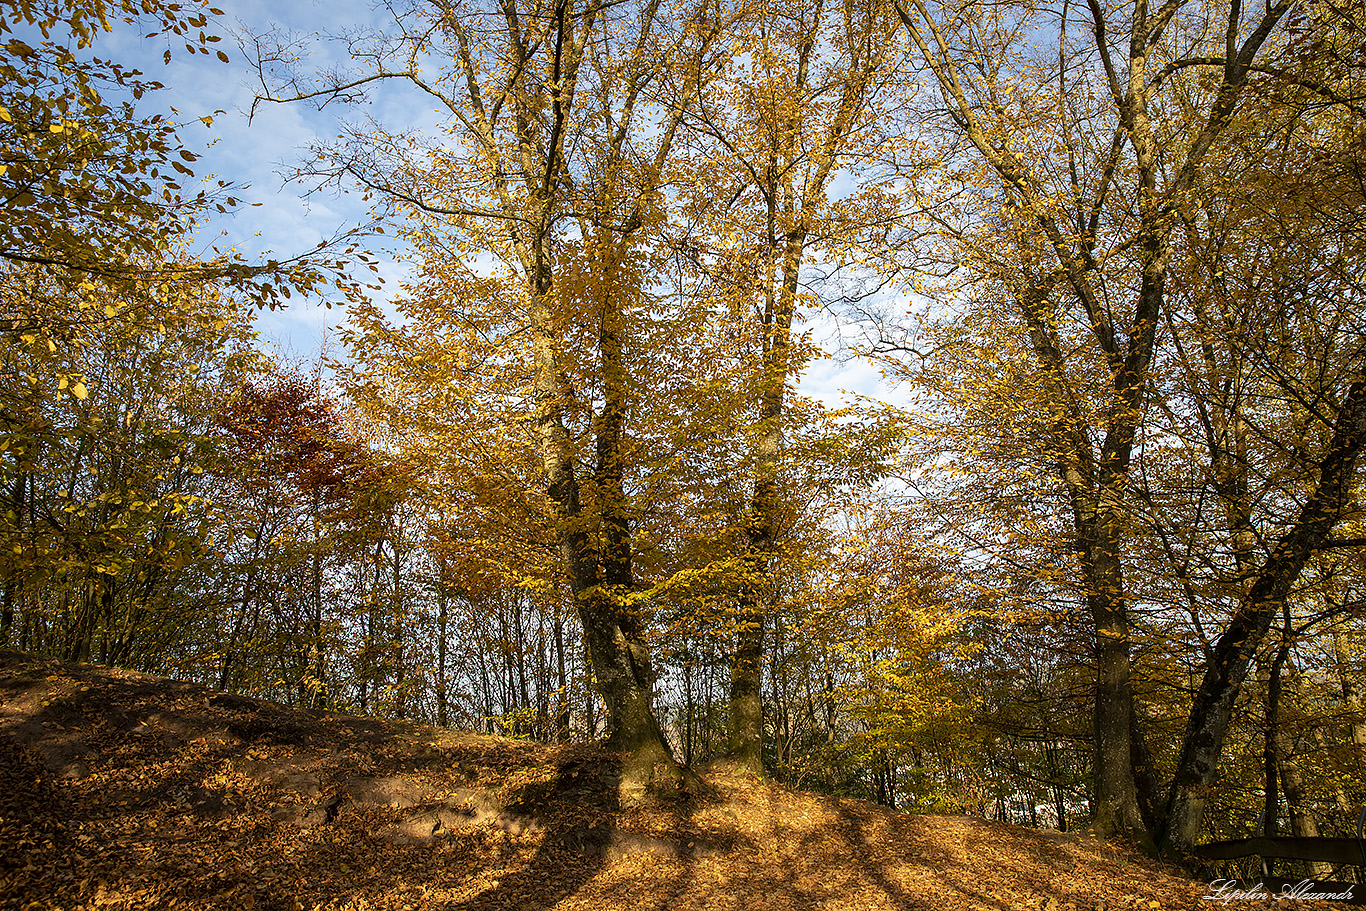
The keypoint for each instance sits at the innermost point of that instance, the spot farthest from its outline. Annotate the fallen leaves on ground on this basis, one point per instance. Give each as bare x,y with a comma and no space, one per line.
122,791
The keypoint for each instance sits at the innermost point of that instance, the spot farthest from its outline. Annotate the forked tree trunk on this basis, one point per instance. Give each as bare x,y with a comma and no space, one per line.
1095,483
599,580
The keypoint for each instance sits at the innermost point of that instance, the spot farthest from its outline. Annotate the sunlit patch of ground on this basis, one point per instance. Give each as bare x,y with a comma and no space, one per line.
122,791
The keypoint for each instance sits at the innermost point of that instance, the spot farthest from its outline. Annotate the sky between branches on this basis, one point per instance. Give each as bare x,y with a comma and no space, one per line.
285,218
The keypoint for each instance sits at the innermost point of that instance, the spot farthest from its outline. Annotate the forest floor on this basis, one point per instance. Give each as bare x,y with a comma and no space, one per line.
124,791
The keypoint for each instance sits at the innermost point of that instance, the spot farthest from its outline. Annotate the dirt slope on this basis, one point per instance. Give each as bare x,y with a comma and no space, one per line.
119,790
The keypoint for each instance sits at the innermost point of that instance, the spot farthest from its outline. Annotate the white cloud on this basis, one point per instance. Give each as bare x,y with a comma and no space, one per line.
274,217
281,218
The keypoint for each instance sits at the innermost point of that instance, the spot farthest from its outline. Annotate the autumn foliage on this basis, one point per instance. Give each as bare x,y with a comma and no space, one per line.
1092,559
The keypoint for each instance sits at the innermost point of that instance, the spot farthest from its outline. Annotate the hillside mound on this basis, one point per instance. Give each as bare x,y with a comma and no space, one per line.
124,791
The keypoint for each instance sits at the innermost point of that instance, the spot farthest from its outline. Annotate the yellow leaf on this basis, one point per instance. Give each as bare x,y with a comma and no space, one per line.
57,128
79,390
4,115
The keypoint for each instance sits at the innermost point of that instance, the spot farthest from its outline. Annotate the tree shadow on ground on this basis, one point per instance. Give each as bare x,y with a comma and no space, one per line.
852,831
151,792
576,811
586,829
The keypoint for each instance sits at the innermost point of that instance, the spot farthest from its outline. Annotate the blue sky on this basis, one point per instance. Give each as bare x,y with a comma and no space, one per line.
284,217
274,216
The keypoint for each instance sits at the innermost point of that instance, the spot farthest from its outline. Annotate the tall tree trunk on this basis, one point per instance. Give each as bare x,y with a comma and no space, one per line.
442,615
616,644
746,700
756,589
1096,484
1116,808
791,171
1212,710
13,577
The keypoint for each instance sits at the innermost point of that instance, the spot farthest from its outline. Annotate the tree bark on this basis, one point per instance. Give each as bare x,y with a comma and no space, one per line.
600,581
1212,710
442,618
1145,771
1116,808
13,577
752,602
1096,487
1351,691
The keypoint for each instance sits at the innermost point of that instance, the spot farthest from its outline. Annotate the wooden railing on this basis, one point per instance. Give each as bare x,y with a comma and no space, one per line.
1339,851
1336,851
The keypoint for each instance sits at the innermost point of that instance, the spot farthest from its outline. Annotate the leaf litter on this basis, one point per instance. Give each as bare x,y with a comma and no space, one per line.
124,791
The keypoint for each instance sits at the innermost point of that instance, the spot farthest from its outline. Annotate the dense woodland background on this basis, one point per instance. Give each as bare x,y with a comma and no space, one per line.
1101,562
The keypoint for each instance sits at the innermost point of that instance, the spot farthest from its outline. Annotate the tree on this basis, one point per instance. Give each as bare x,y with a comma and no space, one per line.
555,172
1094,157
801,103
106,473
901,635
304,499
92,189
1088,168
1274,363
